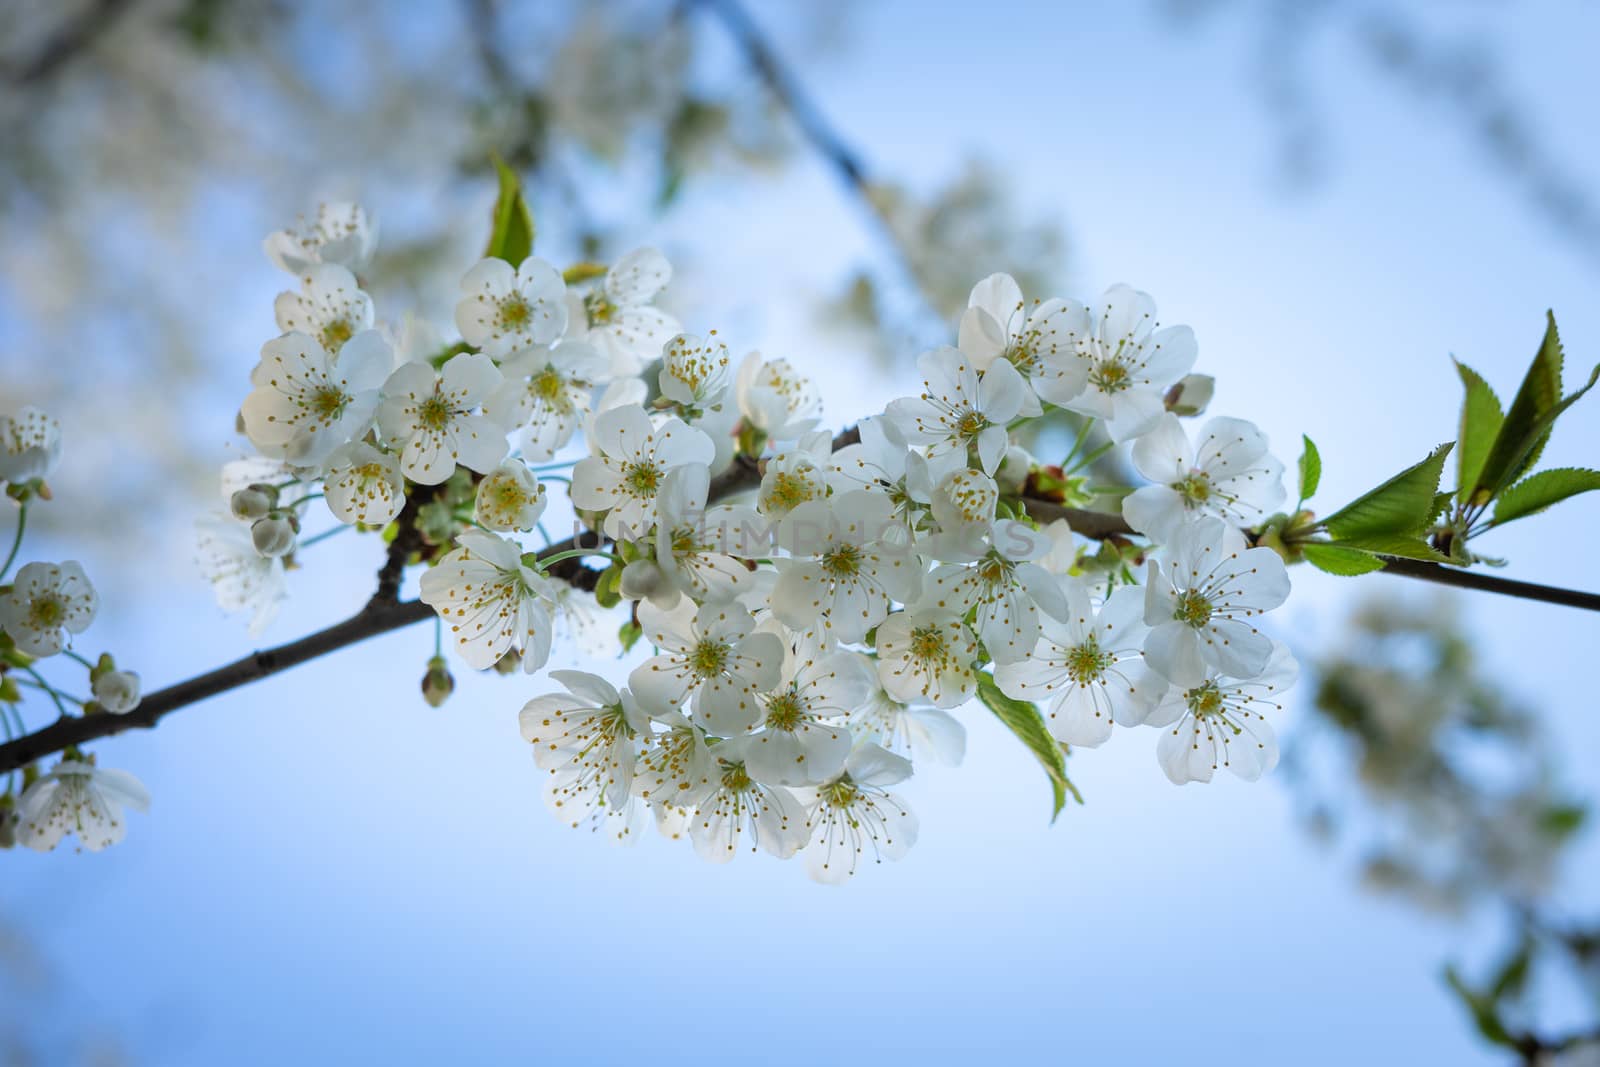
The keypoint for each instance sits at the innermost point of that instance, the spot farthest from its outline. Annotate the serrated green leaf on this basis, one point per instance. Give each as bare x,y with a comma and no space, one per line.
512,236
1523,430
1481,417
1395,545
1023,720
1401,505
1345,562
1538,491
1310,469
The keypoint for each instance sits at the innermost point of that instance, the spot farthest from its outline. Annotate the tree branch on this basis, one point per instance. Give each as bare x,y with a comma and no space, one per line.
1101,525
385,612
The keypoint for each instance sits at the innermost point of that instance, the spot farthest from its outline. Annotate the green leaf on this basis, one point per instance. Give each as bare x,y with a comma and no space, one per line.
1396,545
1480,425
1562,820
1345,562
512,237
1401,505
1527,422
1310,469
1024,720
628,634
1538,491
1484,1011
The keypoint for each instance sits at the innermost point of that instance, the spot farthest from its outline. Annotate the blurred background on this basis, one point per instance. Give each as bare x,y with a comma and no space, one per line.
1337,196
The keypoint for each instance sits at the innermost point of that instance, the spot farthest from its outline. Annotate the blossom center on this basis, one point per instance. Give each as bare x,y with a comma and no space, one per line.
1205,700
784,711
548,386
1196,488
642,479
1193,609
337,333
709,658
735,778
1086,663
1111,375
840,794
971,423
46,613
600,310
928,645
788,492
328,402
842,560
514,312
434,413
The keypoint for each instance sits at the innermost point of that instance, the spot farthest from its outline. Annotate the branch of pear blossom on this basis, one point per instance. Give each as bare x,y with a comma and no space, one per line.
386,611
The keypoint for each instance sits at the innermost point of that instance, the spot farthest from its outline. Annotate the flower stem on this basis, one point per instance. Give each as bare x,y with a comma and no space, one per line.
574,553
16,542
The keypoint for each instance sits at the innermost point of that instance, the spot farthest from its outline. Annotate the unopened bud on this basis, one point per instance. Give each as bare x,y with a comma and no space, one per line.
117,691
274,535
1192,395
10,691
641,579
437,684
1012,473
509,663
253,502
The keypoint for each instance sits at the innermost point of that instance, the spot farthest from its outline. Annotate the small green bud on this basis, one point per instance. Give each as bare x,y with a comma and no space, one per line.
10,691
437,684
509,663
253,502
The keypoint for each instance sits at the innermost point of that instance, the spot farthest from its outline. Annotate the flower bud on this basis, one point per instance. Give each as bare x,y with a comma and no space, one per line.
641,579
1012,473
117,691
274,535
10,692
253,502
510,663
1192,395
437,684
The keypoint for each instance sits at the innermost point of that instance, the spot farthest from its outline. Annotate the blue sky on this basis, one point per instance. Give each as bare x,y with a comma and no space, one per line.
333,870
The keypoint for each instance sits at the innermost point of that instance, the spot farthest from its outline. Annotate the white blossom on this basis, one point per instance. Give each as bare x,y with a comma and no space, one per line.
78,798
30,446
241,578
431,418
617,318
504,309
741,812
855,812
510,498
1088,670
694,370
1037,340
710,656
960,408
364,485
1200,598
46,602
697,547
588,739
676,768
1228,473
340,233
1003,588
308,401
802,738
491,601
546,395
910,729
1128,361
843,568
927,654
631,460
330,307
1220,721
797,474
775,398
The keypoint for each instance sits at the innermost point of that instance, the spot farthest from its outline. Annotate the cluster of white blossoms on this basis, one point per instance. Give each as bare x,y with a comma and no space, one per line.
814,610
44,607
